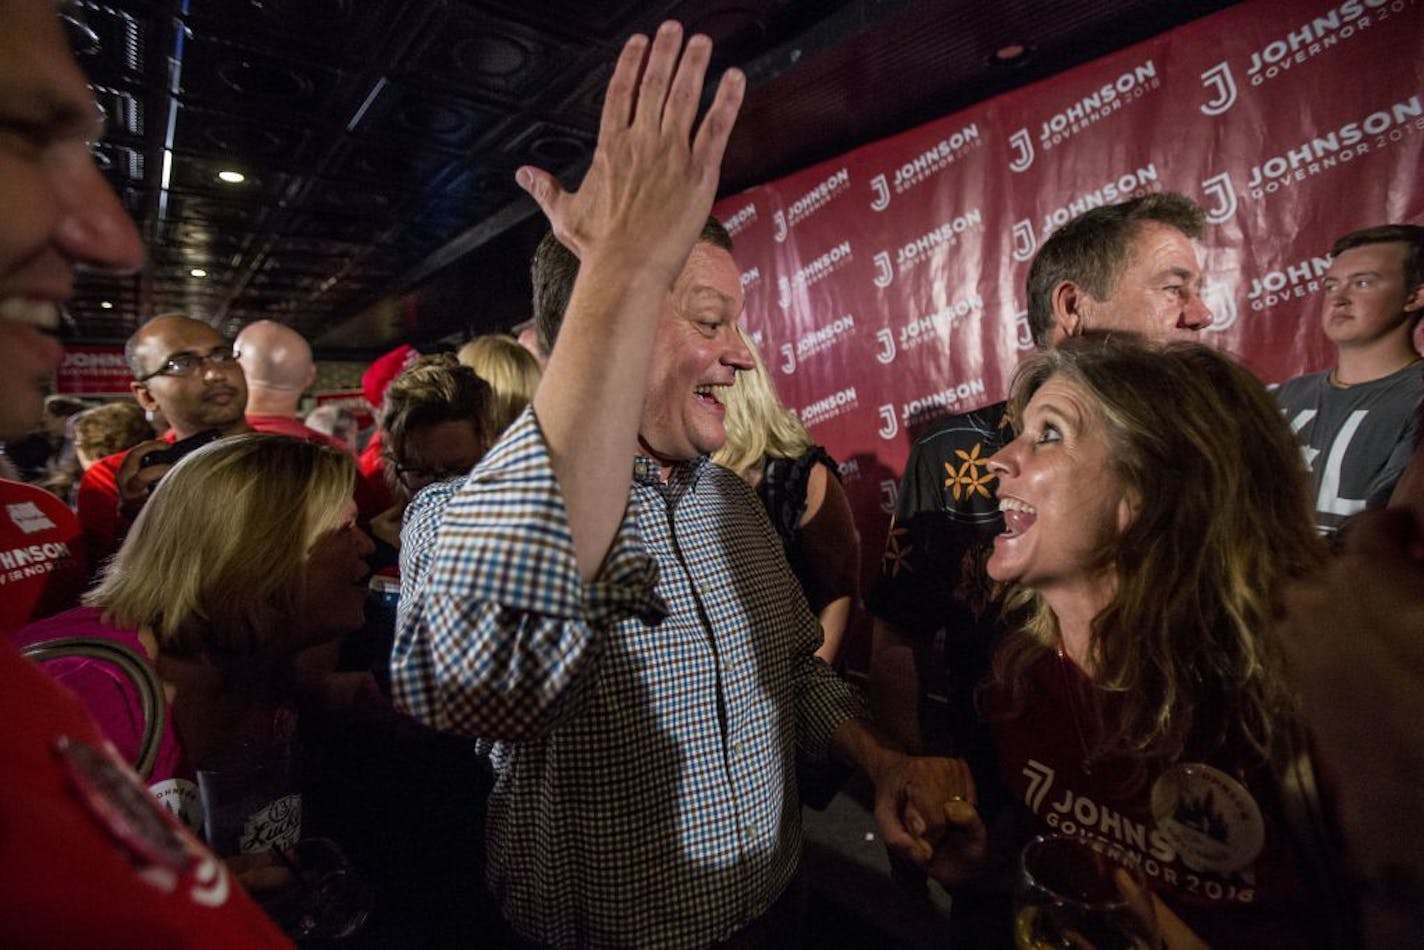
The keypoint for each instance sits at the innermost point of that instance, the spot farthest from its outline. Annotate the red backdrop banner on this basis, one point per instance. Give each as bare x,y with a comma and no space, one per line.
886,287
93,370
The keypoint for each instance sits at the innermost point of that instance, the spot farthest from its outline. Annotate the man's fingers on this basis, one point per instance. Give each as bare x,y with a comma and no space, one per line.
914,821
686,93
716,128
897,837
622,88
657,75
546,192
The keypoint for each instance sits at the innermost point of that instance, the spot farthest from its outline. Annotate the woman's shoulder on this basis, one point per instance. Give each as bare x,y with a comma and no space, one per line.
82,621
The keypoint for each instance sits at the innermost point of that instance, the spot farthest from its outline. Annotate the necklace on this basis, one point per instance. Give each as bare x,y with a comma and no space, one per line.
1073,688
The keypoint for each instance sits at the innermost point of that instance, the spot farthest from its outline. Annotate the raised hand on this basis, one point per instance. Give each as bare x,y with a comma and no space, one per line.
651,183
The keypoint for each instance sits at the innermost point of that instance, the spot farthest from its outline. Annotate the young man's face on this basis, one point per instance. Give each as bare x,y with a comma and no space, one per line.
1158,293
1366,299
696,353
212,395
55,208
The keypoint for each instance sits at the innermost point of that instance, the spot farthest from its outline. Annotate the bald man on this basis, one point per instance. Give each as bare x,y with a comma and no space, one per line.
184,369
277,362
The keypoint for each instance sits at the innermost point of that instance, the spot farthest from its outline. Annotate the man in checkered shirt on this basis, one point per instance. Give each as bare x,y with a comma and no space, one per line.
637,660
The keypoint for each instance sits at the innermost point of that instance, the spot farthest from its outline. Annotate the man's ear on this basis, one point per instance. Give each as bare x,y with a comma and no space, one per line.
143,397
1415,301
1068,309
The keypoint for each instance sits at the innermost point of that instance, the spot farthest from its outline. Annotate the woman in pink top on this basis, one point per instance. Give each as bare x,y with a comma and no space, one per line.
247,554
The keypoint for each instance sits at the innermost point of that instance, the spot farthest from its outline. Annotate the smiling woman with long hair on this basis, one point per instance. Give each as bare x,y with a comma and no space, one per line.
1156,508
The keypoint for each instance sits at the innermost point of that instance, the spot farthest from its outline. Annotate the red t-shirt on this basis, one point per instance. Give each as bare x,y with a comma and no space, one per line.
73,881
43,563
1219,855
98,506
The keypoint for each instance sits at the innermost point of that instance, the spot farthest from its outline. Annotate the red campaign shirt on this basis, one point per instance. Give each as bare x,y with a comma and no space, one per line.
1222,815
70,881
43,567
98,506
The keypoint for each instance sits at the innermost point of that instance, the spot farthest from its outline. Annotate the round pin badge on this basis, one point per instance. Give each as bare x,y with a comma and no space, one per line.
1208,817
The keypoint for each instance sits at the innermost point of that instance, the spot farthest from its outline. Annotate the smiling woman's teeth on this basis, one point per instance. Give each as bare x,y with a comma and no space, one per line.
1018,517
709,391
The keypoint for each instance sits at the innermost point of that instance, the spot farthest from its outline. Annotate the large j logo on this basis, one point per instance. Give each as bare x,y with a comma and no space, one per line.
1220,81
889,493
886,356
788,354
1025,243
890,425
1023,332
881,190
783,292
1218,187
779,219
1022,144
884,273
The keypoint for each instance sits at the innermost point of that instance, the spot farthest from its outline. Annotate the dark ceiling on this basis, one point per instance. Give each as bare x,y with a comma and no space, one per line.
378,138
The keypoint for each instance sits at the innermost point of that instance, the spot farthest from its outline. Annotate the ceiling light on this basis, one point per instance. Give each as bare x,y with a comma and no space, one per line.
198,272
106,305
232,177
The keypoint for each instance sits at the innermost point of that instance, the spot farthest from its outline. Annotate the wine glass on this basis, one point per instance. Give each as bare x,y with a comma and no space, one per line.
1066,898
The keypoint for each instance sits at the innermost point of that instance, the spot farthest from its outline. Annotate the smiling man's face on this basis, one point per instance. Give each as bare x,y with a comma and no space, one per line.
56,208
697,352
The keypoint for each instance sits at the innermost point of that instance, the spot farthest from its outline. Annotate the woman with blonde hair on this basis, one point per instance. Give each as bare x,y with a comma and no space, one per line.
1156,510
247,553
799,485
511,371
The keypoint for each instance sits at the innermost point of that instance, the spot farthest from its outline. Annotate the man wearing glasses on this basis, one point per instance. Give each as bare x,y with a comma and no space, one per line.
184,370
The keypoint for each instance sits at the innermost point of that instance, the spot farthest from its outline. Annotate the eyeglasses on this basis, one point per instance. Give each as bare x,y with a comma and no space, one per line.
185,364
411,476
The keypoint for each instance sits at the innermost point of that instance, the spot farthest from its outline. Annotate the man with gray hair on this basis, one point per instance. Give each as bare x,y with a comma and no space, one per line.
1129,266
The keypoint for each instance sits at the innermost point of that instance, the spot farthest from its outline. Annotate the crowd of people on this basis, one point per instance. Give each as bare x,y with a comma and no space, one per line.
1178,613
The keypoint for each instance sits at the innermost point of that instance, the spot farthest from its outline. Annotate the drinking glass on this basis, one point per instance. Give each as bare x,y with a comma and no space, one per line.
1066,898
252,807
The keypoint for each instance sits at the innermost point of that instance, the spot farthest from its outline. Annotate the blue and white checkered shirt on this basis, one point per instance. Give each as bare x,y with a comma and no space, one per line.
643,727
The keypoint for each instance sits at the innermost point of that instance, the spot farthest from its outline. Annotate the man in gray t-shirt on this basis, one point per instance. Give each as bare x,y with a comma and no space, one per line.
1356,421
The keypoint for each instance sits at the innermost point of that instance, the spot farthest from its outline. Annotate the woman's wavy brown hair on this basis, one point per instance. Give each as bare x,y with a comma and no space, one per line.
1223,523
